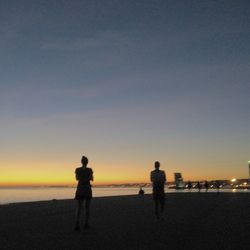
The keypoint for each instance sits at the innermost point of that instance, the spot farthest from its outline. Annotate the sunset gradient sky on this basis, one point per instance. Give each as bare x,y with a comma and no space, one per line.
125,83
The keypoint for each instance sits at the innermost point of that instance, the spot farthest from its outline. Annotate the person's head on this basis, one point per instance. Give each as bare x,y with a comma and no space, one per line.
157,165
84,161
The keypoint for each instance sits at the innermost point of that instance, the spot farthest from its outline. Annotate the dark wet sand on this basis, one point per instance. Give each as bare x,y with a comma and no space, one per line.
192,221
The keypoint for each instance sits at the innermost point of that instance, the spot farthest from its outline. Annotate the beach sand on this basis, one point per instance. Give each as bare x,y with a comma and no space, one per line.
191,221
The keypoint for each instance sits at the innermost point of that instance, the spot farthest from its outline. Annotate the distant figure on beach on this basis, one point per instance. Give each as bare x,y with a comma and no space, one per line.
158,179
141,191
189,185
218,186
83,175
206,186
199,186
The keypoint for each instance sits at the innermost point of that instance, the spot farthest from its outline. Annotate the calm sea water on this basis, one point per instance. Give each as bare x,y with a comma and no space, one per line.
13,195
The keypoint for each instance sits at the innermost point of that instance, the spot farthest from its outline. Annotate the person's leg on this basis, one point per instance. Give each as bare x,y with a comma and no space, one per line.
156,208
78,214
87,208
162,203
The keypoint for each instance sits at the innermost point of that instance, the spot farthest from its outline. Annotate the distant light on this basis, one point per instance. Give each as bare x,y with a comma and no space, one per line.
248,161
245,183
233,180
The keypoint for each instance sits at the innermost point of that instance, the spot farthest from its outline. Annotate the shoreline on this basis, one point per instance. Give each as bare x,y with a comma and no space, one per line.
68,193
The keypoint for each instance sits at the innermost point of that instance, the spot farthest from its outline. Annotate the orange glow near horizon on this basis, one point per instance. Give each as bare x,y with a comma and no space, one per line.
52,175
56,174
99,179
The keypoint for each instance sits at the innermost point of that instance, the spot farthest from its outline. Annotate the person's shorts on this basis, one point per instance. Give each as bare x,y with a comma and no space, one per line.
83,193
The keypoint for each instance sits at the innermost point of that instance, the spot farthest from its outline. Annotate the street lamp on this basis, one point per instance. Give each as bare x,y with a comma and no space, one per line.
233,182
249,171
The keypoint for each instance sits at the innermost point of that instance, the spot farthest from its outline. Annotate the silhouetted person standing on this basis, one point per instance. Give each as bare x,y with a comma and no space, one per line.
218,186
141,191
206,186
158,179
199,186
83,192
189,185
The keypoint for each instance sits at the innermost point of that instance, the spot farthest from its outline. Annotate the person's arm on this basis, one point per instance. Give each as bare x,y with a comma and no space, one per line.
76,175
91,175
165,179
151,176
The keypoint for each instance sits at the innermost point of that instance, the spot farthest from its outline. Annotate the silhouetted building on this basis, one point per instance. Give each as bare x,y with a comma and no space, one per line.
179,181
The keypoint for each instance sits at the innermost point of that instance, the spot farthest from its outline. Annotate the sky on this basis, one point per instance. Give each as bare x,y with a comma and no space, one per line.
125,83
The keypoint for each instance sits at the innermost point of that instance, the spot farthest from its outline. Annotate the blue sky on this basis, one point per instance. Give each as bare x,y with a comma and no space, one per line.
127,83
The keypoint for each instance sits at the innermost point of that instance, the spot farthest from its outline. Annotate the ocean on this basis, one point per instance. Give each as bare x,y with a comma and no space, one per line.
27,194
